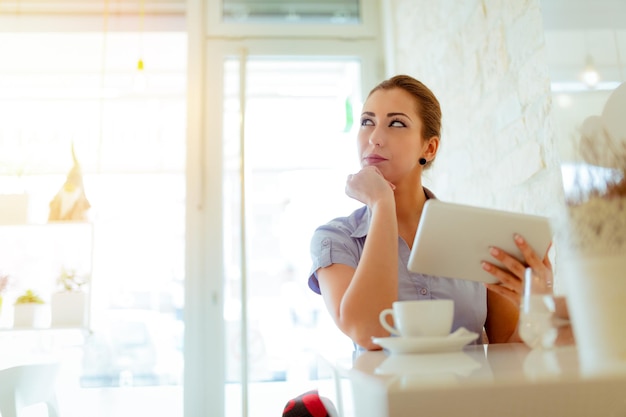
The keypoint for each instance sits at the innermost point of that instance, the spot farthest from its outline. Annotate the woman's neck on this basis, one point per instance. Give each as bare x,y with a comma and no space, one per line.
409,205
409,202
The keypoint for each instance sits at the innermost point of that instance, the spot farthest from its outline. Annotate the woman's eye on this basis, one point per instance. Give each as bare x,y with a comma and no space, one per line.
367,122
397,123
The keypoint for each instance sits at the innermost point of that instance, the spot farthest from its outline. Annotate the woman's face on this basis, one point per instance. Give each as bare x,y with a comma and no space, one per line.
390,135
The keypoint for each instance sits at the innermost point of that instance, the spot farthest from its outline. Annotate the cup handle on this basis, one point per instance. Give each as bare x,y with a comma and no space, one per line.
383,321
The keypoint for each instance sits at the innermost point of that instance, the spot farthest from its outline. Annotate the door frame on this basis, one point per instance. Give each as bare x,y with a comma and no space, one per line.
204,392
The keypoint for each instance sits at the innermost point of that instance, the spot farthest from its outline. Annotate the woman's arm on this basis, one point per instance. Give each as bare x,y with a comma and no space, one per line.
355,297
502,319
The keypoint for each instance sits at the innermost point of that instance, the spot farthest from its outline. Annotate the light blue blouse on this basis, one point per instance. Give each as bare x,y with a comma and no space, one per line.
341,241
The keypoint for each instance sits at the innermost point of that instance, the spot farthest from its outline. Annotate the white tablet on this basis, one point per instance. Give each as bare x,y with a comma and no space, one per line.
453,239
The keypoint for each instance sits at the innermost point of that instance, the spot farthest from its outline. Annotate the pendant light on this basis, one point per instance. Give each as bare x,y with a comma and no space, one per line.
590,75
139,79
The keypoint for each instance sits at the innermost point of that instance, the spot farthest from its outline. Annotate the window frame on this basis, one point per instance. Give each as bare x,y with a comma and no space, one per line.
367,28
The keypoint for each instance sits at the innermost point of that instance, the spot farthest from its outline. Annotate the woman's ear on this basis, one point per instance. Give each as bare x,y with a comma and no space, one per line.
432,146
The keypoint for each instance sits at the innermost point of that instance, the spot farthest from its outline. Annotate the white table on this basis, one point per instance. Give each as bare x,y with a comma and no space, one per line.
482,380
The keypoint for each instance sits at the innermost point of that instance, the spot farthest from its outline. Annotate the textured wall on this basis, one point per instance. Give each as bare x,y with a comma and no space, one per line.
485,61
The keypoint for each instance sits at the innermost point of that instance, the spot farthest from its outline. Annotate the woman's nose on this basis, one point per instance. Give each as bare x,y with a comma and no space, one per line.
376,138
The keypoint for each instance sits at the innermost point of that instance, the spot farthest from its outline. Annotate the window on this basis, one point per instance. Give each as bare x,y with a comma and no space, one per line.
82,90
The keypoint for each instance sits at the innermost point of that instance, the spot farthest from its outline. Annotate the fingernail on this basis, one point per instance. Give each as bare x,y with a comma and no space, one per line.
486,266
518,238
494,251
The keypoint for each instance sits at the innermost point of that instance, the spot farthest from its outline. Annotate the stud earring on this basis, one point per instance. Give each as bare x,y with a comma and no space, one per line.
423,161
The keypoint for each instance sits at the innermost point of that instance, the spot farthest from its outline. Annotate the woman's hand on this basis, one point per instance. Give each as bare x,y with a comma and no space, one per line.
511,285
368,186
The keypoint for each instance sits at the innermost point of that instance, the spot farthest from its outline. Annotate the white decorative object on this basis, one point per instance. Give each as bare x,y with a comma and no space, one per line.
69,309
595,255
70,203
603,138
30,315
596,282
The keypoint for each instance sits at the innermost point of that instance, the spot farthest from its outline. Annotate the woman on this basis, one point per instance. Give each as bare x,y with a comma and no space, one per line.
359,261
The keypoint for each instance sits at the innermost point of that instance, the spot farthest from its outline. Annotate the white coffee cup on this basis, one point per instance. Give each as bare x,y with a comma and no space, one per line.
419,318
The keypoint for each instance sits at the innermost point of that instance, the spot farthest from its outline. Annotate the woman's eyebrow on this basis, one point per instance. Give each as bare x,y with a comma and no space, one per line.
372,114
398,114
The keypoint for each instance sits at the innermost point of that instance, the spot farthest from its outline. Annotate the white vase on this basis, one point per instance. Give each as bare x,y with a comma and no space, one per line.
30,315
69,309
595,280
597,303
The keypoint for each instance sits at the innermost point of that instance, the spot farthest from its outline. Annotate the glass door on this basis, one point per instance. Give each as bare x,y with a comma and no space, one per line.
288,133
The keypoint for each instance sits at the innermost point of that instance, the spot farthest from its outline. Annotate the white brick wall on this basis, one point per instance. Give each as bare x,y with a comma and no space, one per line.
485,61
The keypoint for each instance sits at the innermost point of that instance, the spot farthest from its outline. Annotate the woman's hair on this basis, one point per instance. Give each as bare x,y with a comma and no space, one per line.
427,104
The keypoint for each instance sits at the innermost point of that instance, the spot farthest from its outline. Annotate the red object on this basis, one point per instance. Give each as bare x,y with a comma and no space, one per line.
308,404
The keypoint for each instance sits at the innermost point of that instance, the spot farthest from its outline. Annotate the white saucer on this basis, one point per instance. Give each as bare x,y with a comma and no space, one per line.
451,343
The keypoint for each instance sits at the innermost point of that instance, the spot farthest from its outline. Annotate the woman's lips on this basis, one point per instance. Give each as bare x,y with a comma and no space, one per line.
374,159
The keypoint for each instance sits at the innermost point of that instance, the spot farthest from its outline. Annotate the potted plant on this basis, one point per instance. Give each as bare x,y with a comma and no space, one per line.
594,240
69,304
29,310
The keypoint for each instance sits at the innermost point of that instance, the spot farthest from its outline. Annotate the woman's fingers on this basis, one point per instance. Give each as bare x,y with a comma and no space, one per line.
546,259
510,262
368,186
514,265
511,277
531,257
511,295
507,281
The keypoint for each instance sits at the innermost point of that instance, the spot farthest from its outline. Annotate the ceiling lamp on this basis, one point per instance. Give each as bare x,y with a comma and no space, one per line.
139,79
590,75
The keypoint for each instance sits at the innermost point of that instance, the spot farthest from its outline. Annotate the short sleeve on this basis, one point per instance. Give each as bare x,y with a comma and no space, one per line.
331,244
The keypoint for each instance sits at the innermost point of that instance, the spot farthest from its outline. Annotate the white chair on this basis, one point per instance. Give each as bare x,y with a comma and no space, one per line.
25,385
